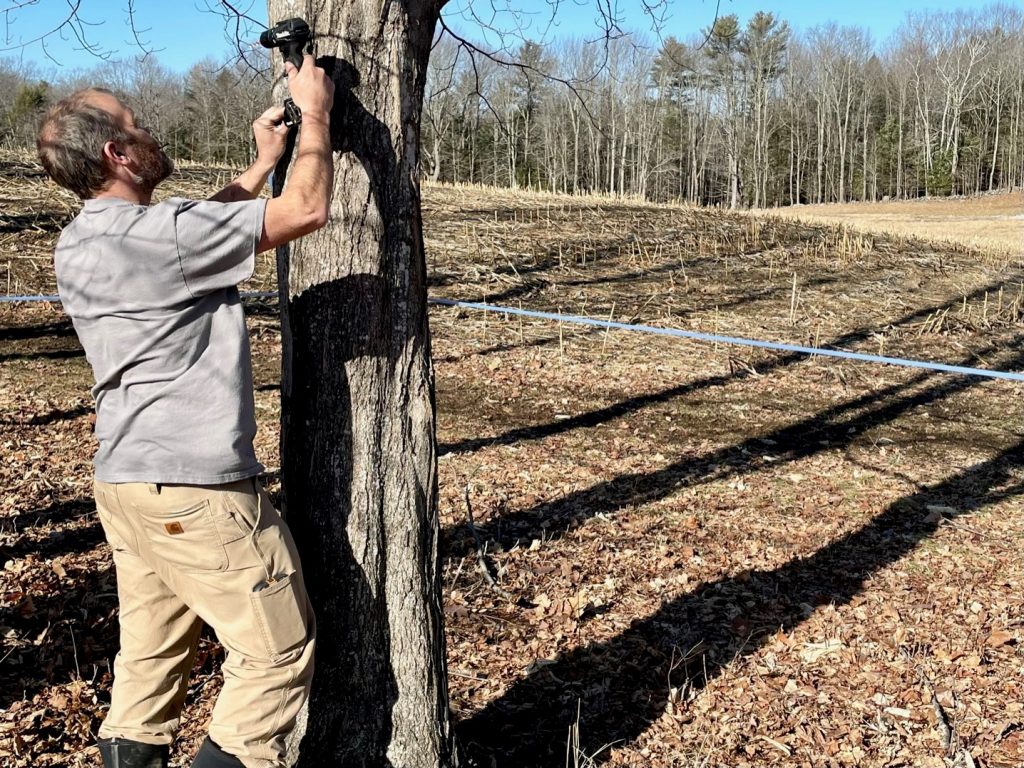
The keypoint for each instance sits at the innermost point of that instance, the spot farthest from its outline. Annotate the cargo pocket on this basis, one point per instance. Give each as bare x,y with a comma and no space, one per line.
280,616
186,537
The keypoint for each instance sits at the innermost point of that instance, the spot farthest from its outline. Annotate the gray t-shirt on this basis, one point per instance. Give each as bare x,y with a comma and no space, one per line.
151,292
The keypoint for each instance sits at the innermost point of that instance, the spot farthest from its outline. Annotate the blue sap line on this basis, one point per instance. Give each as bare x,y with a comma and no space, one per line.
692,335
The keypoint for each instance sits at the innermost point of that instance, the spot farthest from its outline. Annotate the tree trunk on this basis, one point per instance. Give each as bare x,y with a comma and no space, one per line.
358,444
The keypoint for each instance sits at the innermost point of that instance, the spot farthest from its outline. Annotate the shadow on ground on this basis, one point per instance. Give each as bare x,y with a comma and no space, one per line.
618,688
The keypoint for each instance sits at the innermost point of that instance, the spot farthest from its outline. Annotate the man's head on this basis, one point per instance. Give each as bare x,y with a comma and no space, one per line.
90,140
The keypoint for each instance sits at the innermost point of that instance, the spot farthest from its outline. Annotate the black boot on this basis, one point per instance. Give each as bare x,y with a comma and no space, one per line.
125,753
212,756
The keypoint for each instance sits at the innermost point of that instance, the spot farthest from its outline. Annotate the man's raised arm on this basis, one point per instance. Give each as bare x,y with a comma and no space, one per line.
305,203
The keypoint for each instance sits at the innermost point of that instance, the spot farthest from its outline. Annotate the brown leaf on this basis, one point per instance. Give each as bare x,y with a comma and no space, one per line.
1000,638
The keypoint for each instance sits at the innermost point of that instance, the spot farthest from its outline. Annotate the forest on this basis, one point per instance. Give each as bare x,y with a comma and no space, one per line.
749,113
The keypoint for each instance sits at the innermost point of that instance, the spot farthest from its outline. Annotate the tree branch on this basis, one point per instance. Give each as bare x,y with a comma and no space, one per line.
72,22
137,33
473,49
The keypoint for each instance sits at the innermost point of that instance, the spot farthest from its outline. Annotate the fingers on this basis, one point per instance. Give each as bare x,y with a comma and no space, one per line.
272,120
274,115
310,87
307,61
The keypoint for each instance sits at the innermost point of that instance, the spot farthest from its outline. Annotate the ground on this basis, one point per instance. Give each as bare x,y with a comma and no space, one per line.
702,555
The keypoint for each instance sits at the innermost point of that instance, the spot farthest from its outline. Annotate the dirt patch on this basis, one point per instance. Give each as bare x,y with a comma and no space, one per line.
715,556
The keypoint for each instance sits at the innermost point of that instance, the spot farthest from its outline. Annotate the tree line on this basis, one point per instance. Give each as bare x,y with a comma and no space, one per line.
203,115
748,113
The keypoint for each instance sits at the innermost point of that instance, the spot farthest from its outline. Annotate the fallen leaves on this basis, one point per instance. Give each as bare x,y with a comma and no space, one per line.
811,652
704,567
999,638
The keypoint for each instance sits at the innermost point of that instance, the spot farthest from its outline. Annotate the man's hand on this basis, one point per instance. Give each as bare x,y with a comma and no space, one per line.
310,88
271,136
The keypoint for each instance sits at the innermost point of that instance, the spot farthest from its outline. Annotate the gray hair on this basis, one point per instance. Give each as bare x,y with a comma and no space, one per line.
71,140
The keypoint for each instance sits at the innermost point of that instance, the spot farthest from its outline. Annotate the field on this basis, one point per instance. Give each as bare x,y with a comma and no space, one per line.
994,223
706,555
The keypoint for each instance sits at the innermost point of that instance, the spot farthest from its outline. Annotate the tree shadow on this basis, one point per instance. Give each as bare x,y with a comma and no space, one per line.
47,222
50,542
49,354
831,428
58,329
621,686
633,404
261,308
60,636
590,419
499,348
746,297
50,417
550,261
61,414
21,169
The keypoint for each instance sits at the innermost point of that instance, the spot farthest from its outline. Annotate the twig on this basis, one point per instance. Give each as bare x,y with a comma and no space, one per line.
466,675
946,731
74,651
736,362
12,650
481,555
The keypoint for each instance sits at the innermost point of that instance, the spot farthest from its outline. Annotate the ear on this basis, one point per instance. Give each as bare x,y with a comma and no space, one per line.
115,154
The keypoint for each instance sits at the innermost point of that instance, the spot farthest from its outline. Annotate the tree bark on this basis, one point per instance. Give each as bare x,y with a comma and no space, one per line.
358,443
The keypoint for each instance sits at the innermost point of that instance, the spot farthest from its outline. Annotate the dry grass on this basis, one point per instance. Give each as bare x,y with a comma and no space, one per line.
992,223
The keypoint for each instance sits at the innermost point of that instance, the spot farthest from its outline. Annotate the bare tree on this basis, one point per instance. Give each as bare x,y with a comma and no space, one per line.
439,102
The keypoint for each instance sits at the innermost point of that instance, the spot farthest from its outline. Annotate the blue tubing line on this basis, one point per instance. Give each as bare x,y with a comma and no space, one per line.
27,299
693,335
55,299
577,320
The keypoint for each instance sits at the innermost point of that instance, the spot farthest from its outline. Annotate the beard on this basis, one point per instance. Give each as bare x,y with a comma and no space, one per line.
152,165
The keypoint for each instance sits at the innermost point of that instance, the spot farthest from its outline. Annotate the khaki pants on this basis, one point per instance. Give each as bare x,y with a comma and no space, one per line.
216,554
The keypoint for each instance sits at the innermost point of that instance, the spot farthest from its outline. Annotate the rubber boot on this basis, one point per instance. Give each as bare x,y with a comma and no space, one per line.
212,756
125,753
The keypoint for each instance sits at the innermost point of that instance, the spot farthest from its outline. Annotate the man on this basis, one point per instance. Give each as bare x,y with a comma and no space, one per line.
151,290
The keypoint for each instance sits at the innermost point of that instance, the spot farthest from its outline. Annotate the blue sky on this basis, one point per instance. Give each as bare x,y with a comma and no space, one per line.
184,31
686,18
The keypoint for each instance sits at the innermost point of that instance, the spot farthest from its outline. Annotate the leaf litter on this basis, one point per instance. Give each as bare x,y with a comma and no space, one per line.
704,555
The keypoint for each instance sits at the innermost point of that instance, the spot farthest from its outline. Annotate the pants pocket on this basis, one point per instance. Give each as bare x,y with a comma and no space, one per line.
280,610
116,529
240,504
186,536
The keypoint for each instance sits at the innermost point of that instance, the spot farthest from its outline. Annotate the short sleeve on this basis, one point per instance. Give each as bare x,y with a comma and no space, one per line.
217,242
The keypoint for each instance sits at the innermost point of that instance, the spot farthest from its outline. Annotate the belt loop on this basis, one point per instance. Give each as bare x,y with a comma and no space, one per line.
154,488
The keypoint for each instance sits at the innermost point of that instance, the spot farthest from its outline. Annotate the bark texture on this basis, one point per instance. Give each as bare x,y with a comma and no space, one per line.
359,465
